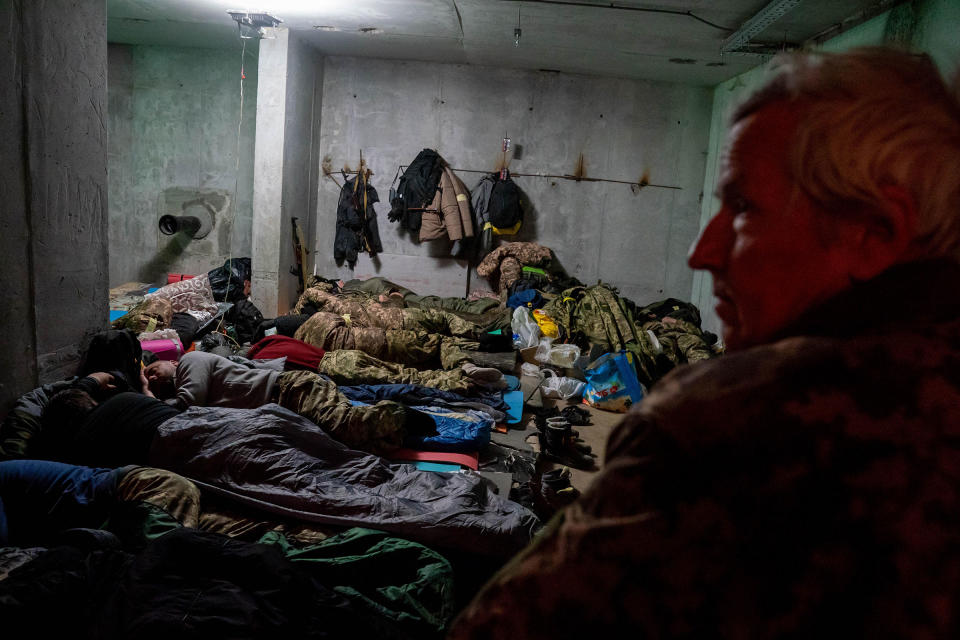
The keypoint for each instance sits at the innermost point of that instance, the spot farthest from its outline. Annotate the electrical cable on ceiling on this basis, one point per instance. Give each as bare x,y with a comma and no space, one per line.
517,31
230,214
620,7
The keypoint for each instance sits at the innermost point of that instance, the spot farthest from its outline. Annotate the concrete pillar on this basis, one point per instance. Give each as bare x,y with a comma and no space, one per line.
53,227
289,92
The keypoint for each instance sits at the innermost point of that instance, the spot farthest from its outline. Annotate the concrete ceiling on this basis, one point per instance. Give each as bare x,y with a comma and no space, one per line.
593,40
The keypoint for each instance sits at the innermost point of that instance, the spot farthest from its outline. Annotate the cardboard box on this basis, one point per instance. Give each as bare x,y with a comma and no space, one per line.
529,355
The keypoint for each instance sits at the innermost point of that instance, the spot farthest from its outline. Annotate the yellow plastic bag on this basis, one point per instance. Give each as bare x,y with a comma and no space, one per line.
547,326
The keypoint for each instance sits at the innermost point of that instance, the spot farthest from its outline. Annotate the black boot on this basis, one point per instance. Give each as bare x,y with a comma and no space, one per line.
559,445
576,415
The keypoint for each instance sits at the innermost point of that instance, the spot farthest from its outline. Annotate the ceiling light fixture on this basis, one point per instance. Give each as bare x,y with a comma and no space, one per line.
251,25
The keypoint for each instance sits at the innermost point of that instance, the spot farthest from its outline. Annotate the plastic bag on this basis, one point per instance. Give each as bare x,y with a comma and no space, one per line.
555,386
229,281
561,355
543,350
529,369
546,324
564,355
526,333
612,382
246,319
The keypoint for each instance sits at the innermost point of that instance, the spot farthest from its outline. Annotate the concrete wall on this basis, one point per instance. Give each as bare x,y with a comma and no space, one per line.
391,110
290,94
930,26
173,116
53,189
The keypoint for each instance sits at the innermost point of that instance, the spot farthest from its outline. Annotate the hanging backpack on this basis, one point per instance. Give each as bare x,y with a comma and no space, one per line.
505,208
418,184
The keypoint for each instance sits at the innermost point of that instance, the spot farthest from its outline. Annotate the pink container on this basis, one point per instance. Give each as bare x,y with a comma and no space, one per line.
164,349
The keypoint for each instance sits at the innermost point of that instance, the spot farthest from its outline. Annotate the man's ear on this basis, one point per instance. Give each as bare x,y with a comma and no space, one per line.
882,237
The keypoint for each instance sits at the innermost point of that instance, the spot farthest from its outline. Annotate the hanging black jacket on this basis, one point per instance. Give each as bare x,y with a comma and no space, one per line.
417,188
356,222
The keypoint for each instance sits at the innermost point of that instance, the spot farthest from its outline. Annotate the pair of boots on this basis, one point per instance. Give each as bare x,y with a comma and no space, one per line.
559,442
556,490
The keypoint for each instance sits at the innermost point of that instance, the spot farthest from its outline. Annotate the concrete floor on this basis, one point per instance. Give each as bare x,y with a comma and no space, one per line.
594,434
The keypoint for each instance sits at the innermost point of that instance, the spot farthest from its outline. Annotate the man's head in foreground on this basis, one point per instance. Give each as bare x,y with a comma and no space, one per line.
843,166
161,378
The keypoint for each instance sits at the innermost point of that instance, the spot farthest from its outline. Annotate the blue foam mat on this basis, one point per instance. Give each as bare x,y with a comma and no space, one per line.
514,400
513,382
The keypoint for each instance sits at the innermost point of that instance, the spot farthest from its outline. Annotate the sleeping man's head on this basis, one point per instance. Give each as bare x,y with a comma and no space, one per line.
161,377
61,417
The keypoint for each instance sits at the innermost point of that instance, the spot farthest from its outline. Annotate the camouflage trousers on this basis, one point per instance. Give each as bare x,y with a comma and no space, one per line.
374,314
350,367
377,428
171,493
331,332
155,501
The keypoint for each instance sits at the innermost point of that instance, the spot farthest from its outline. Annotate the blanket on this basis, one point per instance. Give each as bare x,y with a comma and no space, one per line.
272,459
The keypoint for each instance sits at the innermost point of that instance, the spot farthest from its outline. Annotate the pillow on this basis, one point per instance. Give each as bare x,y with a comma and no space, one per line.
188,295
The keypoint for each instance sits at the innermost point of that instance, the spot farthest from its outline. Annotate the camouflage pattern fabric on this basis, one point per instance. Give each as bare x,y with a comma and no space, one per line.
598,316
175,501
481,315
331,332
682,341
377,428
171,493
150,503
348,367
509,260
159,311
808,488
670,308
220,516
374,314
456,305
378,286
439,321
373,287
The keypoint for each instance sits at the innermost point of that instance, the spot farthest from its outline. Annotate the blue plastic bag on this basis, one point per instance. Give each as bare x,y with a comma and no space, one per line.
612,383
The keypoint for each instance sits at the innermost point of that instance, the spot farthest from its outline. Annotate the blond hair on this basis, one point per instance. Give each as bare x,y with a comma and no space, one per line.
872,118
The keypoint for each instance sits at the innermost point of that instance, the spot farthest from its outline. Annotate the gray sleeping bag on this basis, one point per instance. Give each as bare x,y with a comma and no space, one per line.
279,462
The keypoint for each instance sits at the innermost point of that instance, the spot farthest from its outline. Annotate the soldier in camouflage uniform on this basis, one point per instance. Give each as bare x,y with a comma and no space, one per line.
375,314
331,332
382,289
349,367
681,341
806,484
378,428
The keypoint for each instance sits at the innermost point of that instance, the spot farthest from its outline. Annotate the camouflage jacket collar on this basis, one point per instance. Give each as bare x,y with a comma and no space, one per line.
912,294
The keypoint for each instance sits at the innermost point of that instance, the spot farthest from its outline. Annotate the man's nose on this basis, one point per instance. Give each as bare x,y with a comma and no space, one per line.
711,249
